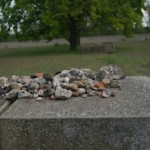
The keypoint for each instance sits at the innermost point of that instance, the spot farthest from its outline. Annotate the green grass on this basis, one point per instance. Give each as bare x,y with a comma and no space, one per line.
133,57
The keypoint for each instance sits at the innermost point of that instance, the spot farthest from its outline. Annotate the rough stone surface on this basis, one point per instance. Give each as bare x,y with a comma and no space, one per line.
71,79
111,72
12,95
132,101
23,94
3,82
2,100
63,94
121,122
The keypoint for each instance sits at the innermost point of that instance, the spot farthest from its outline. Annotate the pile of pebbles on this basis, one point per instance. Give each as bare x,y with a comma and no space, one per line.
64,85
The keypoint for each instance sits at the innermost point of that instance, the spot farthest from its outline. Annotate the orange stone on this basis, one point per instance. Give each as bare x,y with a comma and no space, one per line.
100,85
39,75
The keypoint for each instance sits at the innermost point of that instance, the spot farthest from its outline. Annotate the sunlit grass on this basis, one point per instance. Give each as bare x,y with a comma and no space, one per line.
133,57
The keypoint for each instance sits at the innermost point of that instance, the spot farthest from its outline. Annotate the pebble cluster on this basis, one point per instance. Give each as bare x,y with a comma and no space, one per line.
64,85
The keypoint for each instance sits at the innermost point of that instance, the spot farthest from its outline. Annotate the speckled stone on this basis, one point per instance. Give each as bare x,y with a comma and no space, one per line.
118,123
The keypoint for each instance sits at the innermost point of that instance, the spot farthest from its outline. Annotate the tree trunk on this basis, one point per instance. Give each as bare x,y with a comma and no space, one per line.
78,37
73,34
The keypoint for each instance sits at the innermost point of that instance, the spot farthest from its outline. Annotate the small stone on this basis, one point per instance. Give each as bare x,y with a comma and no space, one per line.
33,86
72,79
32,91
2,91
104,94
23,94
40,93
90,92
39,99
65,72
118,73
38,75
56,83
106,82
12,95
53,91
106,72
49,92
84,95
14,78
14,85
40,80
3,82
89,84
75,72
76,94
48,85
42,86
98,93
100,86
80,84
66,79
112,94
88,73
115,83
63,94
81,91
47,77
110,72
24,80
35,95
53,97
72,87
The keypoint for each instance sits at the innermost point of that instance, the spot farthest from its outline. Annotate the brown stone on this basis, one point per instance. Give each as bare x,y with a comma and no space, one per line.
76,94
72,87
80,84
14,85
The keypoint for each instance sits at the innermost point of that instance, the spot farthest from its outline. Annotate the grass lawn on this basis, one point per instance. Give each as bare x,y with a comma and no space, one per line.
133,57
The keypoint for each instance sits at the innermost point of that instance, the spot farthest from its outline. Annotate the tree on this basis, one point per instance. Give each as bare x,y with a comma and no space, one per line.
32,19
148,12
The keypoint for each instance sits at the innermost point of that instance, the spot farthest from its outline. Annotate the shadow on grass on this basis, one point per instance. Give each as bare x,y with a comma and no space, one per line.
38,51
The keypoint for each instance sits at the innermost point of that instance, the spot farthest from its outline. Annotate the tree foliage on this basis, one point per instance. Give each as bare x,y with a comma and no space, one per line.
32,19
148,12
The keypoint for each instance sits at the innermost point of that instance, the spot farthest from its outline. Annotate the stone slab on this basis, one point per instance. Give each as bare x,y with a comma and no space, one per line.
2,100
93,123
99,48
132,101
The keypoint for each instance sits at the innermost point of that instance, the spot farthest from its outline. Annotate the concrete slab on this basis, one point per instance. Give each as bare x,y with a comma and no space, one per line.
2,100
132,101
93,123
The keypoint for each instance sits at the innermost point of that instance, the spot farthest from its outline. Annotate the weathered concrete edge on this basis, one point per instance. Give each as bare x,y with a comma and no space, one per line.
75,124
4,106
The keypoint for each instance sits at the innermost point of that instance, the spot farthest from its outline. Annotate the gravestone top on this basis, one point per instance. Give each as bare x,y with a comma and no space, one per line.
132,101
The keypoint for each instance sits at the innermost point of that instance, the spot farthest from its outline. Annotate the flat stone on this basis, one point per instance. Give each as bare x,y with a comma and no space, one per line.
63,94
120,122
23,94
2,100
14,85
12,95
